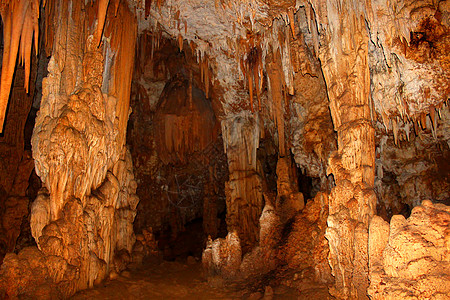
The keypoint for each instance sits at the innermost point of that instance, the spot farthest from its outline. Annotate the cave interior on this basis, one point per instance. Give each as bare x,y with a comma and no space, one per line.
253,149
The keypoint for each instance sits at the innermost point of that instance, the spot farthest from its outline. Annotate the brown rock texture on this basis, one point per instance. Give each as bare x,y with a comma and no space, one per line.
244,193
352,202
234,103
410,258
305,251
82,220
185,122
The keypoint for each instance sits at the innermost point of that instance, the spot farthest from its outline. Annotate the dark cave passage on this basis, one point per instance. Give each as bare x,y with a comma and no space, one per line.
177,150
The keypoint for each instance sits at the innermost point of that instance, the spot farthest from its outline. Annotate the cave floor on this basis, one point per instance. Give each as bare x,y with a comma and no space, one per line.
180,280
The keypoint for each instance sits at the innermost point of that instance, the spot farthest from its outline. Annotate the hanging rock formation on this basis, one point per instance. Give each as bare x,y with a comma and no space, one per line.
184,120
16,163
82,220
354,92
244,188
20,23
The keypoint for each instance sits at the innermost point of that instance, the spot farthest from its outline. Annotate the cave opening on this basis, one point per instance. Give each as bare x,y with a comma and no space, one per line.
177,149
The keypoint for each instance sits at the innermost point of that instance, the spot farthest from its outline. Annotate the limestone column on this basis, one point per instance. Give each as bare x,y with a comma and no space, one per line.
243,190
344,58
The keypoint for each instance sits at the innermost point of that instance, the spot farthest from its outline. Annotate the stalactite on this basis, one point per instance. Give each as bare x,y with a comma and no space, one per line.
276,87
123,31
395,130
49,26
206,79
204,71
257,81
20,19
27,35
385,120
116,7
250,86
102,8
180,42
241,135
251,67
185,121
291,21
191,104
148,6
423,121
433,116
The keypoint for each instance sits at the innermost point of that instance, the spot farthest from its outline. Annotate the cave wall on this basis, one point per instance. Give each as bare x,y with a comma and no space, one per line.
355,91
383,66
82,220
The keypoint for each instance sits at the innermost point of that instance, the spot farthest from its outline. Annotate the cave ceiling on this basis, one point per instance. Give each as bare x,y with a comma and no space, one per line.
408,47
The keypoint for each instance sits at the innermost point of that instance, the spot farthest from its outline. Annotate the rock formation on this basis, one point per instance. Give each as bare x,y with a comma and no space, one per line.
409,258
300,139
82,220
305,250
16,163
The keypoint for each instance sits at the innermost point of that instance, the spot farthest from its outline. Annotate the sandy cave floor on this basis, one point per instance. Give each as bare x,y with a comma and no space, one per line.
180,280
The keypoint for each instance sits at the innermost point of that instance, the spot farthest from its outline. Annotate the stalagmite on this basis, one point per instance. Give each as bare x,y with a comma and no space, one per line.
77,151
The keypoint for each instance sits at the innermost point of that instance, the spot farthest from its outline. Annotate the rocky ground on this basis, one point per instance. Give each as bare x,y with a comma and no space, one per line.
184,280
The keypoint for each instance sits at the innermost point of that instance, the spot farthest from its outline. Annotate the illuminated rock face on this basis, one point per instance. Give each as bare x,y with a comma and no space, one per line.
306,249
409,258
82,220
